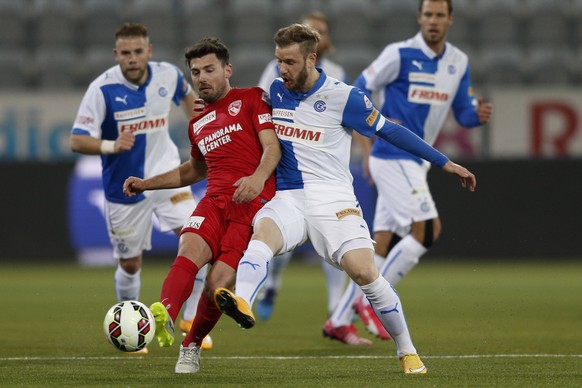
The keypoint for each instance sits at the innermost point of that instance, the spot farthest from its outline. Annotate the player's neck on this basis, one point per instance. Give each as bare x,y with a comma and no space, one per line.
312,79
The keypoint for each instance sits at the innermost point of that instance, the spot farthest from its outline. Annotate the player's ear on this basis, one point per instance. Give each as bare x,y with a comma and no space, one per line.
228,70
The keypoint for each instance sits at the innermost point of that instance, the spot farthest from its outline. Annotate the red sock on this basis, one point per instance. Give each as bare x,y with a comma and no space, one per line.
178,285
207,314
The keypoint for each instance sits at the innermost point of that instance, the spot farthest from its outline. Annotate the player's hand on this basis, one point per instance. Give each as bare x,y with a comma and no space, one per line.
133,186
248,188
484,110
468,180
124,142
199,105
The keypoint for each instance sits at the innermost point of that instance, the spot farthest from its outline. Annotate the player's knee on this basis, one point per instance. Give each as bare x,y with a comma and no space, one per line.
432,232
131,266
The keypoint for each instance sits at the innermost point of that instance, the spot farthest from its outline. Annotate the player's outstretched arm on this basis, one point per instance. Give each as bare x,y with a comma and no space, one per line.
468,180
186,174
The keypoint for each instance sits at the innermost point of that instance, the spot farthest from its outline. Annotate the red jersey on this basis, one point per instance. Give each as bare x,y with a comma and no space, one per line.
225,135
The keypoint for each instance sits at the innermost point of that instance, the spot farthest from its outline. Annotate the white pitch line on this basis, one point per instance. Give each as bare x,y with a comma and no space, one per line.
126,357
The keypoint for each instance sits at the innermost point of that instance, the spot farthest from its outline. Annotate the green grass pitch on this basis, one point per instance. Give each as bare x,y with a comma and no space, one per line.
475,323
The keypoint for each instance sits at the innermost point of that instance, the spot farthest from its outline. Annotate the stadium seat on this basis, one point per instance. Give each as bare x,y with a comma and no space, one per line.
14,23
503,65
396,20
351,21
462,31
100,19
15,68
547,23
248,63
498,22
200,18
60,67
95,61
551,66
250,22
161,19
288,12
55,22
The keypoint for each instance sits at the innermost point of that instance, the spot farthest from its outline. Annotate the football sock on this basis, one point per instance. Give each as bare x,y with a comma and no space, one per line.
127,285
401,259
388,308
191,305
276,268
206,317
178,285
344,313
252,270
336,283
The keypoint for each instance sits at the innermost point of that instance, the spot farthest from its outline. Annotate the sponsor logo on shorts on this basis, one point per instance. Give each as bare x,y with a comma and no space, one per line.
183,196
348,212
194,222
425,207
123,232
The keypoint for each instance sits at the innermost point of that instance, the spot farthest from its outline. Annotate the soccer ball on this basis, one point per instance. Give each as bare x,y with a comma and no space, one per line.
129,326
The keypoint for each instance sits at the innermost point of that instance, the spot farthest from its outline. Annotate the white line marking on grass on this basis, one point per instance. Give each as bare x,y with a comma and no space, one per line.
461,356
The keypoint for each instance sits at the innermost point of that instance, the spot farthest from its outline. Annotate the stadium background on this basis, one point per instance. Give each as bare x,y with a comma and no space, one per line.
524,57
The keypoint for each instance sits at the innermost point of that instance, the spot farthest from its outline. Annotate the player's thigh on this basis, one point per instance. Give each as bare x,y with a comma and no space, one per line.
286,212
129,227
172,207
403,194
337,227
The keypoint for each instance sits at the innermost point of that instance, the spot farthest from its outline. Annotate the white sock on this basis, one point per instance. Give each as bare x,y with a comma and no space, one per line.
276,268
252,270
191,304
344,313
127,285
401,259
388,308
336,283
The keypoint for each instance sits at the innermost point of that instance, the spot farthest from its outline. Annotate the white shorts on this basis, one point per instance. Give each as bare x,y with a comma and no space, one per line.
130,225
333,222
403,194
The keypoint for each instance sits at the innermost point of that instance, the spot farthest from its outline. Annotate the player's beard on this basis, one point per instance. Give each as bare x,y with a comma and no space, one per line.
298,82
134,79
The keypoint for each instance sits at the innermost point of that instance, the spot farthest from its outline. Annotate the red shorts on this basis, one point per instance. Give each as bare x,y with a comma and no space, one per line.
224,225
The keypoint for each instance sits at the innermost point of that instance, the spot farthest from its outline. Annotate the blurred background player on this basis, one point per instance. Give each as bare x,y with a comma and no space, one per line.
419,80
234,145
124,118
336,279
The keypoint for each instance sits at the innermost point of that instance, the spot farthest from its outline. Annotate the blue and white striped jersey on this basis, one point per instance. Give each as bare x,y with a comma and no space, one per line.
417,88
112,105
315,130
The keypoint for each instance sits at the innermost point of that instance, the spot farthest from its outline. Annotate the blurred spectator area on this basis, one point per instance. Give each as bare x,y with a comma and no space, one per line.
67,43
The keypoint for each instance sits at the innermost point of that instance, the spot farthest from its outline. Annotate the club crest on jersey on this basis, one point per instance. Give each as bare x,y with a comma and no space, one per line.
452,69
234,107
319,106
162,91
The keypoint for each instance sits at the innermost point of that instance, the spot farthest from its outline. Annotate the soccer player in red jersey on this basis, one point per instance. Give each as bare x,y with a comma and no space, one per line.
234,145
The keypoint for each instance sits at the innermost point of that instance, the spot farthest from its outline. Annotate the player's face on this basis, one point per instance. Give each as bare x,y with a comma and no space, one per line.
133,54
434,20
324,40
210,77
293,67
